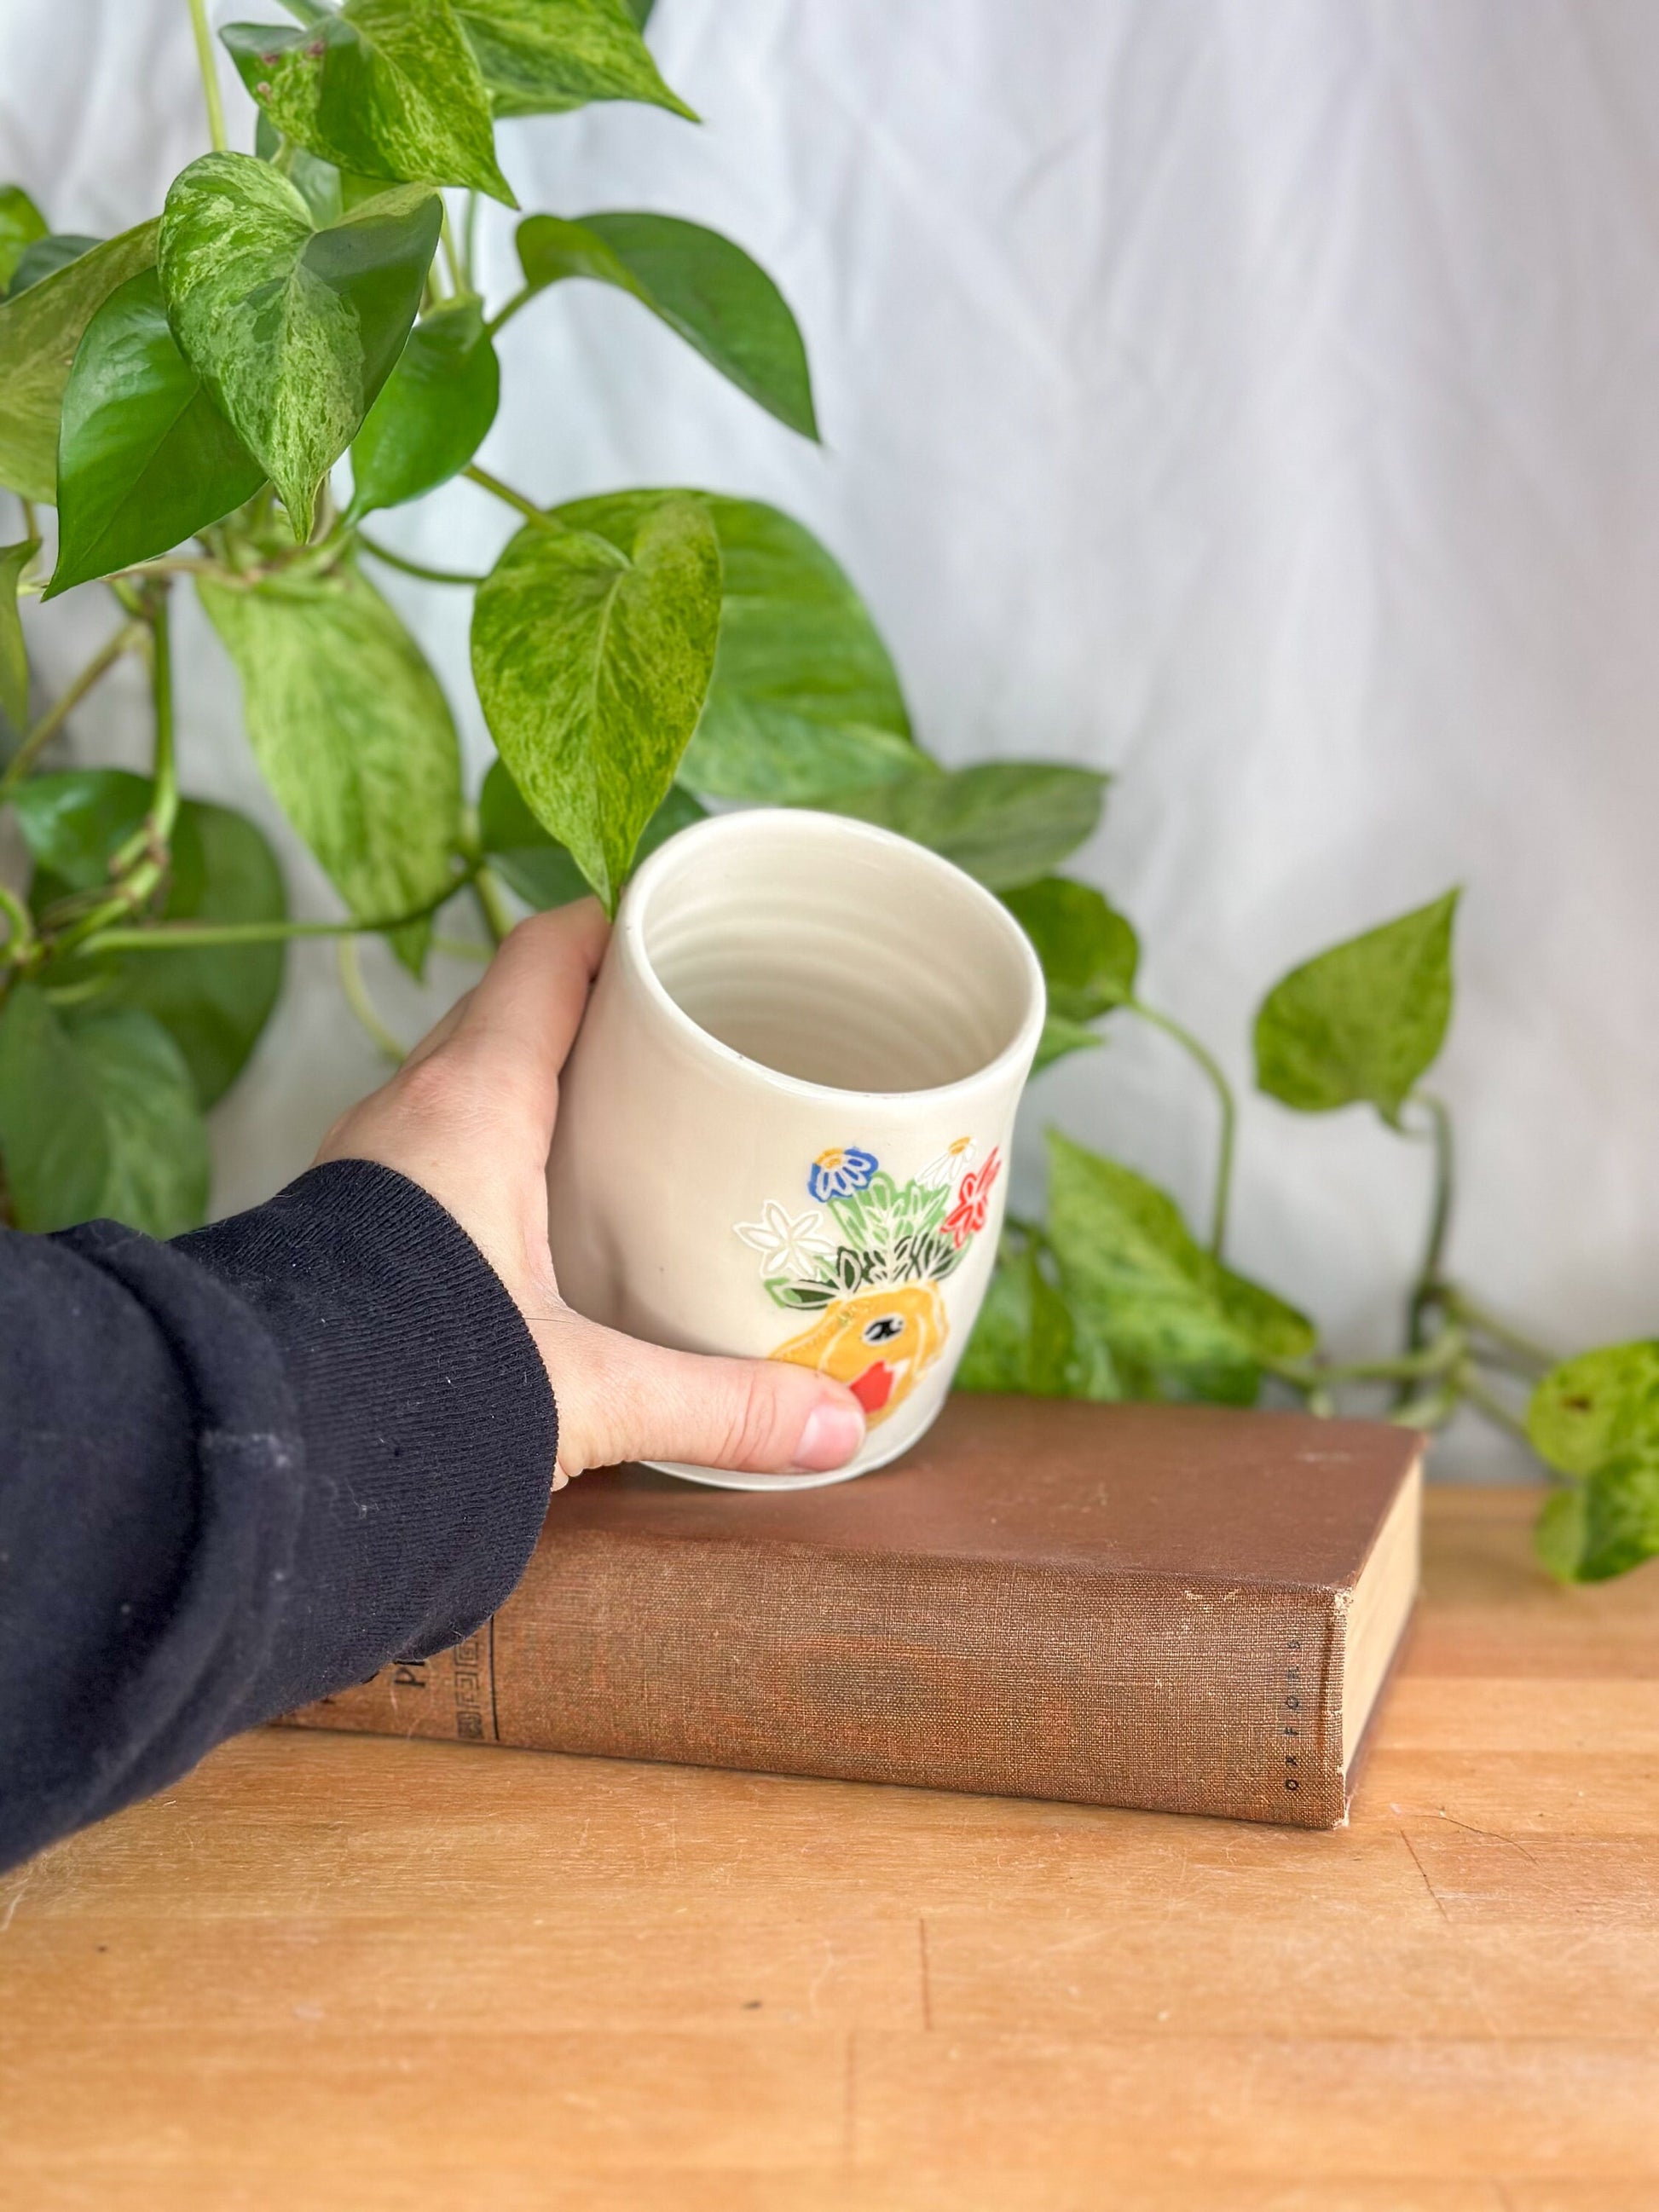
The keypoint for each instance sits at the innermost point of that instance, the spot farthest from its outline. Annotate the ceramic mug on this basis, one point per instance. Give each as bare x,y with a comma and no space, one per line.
783,1130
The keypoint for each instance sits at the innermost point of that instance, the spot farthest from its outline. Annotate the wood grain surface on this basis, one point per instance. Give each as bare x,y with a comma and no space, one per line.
343,1974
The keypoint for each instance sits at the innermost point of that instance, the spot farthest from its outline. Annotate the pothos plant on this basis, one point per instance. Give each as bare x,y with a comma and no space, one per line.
227,394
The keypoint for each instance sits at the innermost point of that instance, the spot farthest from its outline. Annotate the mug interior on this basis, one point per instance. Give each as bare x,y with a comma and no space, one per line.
834,954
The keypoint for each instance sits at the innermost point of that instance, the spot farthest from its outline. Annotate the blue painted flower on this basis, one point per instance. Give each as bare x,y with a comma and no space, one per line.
840,1172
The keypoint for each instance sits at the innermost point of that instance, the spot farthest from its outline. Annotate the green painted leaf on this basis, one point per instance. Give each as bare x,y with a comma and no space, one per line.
1061,1038
702,286
293,329
20,223
803,700
543,57
1621,1515
1005,821
536,865
352,730
639,10
386,88
1589,1410
213,1001
144,458
433,410
1028,1341
97,1118
39,331
13,651
1089,951
47,256
1128,1263
592,644
1364,1021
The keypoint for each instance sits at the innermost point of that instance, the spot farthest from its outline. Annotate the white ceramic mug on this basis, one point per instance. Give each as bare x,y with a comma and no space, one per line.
783,1131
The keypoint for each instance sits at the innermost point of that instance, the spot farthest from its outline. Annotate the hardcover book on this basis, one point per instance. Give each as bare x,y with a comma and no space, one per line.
1183,1608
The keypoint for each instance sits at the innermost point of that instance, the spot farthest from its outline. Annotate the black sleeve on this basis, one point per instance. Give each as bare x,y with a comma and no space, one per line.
242,1470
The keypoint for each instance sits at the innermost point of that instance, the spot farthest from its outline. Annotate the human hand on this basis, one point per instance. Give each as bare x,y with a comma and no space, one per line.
469,1117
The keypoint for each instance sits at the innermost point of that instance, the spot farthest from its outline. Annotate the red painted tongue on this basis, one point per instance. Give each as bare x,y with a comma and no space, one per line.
874,1387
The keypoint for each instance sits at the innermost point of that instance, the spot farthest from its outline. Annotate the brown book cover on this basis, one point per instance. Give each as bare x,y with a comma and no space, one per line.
1183,1608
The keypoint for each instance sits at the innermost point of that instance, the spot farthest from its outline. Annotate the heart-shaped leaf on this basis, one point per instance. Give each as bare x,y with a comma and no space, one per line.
20,223
803,700
352,730
1364,1021
537,866
213,1000
1089,951
13,652
385,88
44,257
433,411
1129,1264
39,331
1028,1341
1590,1409
592,644
699,284
1005,821
293,330
1621,1516
97,1117
144,458
1061,1038
543,57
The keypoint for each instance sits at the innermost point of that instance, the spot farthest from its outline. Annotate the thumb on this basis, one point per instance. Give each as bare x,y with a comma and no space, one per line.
619,1398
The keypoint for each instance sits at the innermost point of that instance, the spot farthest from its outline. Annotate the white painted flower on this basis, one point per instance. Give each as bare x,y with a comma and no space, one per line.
955,1160
787,1243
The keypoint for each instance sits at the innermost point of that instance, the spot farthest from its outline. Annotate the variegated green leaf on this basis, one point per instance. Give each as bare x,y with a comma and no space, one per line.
293,329
39,331
542,56
386,88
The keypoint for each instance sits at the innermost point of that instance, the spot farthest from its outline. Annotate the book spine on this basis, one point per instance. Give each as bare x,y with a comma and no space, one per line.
1015,1681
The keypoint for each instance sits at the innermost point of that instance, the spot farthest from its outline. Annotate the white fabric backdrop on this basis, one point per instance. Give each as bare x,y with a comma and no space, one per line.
1259,402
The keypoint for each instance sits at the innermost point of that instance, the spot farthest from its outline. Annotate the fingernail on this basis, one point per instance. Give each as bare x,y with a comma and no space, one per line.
833,1433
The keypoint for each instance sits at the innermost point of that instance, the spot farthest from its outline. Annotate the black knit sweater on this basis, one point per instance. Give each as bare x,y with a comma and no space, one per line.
241,1470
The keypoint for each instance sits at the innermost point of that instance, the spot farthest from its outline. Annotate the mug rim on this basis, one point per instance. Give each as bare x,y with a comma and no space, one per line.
629,936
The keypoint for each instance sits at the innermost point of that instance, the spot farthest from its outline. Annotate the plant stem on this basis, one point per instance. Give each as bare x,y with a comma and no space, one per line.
1489,1403
176,564
414,568
469,237
1436,1359
492,905
357,998
505,314
164,793
185,936
504,491
1428,1287
20,930
205,63
451,258
460,948
51,721
1224,1092
1534,1356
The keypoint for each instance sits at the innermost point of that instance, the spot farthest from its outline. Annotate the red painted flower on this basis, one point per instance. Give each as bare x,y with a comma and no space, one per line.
967,1217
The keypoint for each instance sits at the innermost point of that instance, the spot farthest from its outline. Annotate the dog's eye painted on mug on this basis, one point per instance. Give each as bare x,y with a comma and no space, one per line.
883,1328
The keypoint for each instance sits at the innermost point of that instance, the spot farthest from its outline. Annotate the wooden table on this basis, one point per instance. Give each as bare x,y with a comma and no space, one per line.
335,1972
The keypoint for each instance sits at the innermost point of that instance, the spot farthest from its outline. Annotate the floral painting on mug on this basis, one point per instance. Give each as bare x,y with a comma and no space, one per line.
867,1260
